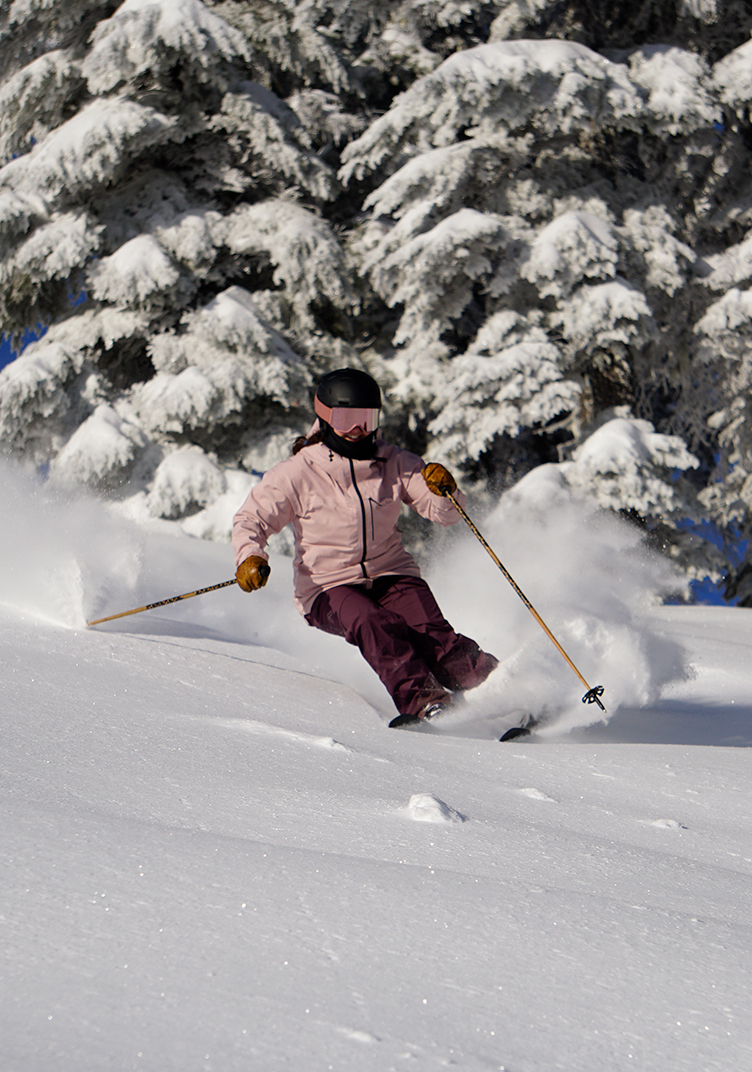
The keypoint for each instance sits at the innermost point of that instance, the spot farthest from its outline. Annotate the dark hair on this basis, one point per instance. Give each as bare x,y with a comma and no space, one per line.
307,441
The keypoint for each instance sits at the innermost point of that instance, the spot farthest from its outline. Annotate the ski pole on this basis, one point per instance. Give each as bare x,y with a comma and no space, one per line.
163,602
593,695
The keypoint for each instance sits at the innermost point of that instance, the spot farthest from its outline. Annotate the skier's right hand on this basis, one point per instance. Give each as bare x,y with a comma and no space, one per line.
253,573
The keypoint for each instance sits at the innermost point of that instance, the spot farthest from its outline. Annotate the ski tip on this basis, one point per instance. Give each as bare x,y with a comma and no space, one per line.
516,732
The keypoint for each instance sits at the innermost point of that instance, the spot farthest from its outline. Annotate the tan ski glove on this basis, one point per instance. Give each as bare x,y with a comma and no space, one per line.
439,480
253,573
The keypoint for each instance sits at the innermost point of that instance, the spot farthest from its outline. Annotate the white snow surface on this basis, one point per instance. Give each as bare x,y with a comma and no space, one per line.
216,856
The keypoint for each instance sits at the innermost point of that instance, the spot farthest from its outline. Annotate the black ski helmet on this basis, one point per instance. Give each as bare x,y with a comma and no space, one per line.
349,387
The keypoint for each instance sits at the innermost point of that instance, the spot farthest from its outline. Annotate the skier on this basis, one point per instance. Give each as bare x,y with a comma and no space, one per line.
342,490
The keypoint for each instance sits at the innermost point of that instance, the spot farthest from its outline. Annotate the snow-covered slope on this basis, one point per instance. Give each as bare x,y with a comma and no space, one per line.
216,856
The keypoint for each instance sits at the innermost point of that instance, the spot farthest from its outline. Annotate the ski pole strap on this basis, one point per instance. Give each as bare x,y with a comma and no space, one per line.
593,695
163,602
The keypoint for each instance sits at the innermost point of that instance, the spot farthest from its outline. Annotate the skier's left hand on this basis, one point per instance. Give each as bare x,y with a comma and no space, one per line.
439,480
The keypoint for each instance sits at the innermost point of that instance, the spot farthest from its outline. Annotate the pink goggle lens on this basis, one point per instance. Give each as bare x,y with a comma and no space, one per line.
346,418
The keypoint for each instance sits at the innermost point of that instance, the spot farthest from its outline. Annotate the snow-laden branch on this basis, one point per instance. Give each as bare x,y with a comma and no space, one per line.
729,268
627,465
89,151
101,450
137,271
145,37
33,100
573,247
270,141
490,395
187,479
33,397
551,87
604,316
677,95
308,260
52,251
223,357
432,275
732,76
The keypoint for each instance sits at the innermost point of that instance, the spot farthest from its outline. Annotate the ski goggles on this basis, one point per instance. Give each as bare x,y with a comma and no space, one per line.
344,419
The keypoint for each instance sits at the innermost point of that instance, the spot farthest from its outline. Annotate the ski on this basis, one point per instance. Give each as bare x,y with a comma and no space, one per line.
527,725
524,730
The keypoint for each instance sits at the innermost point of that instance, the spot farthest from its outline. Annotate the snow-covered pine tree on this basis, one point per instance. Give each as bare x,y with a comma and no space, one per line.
149,175
558,198
163,215
528,217
723,334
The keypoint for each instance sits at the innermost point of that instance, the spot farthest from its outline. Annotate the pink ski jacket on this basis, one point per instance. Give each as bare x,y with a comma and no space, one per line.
343,514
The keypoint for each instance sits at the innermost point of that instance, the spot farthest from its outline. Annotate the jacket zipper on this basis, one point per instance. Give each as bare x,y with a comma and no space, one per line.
364,526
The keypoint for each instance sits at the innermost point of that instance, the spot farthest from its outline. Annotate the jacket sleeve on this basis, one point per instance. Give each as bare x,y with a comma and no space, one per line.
268,508
420,498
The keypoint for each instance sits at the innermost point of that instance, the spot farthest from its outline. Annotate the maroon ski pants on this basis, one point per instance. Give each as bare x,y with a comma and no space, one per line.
402,634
